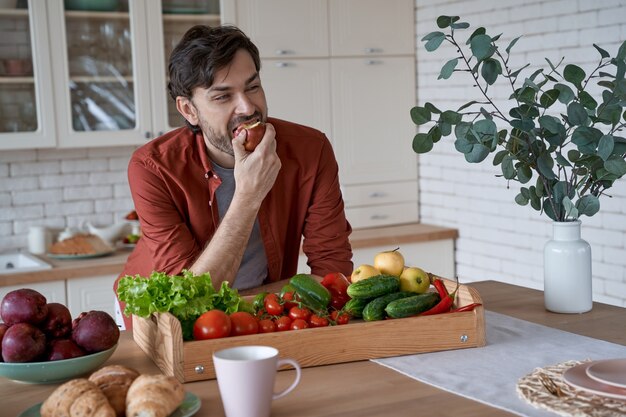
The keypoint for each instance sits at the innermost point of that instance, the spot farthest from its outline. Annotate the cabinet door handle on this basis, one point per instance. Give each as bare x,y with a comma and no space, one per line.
378,217
283,52
373,62
373,50
377,194
147,135
282,64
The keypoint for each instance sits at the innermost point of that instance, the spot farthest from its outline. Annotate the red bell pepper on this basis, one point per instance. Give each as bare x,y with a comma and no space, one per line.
337,284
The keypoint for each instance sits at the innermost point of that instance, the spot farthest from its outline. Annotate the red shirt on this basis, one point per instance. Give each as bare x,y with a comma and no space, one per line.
173,187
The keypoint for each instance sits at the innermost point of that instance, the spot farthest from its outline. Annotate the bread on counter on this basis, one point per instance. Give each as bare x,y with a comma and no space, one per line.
77,397
114,381
81,244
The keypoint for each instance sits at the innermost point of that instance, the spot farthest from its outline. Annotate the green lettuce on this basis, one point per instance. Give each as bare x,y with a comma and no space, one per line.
185,296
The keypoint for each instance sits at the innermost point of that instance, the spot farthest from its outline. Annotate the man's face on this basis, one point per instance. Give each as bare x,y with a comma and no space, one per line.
235,97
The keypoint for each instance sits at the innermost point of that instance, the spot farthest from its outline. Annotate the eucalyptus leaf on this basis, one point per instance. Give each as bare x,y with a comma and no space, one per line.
574,74
434,134
466,105
422,143
605,147
570,209
521,200
460,25
545,164
451,117
603,53
431,108
463,145
511,44
524,174
434,42
490,70
445,21
588,205
420,115
478,153
550,123
587,101
616,166
497,159
482,47
576,114
478,31
549,97
508,169
565,93
448,69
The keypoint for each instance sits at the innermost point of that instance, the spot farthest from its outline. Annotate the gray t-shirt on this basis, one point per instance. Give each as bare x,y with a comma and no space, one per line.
253,269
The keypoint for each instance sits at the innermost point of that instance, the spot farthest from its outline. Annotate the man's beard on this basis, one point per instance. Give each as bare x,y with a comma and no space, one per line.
224,143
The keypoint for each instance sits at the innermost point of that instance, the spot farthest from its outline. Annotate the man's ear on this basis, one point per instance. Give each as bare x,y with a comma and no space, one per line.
187,109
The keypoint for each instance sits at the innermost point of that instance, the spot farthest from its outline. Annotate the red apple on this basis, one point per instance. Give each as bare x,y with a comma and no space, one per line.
23,306
58,322
23,342
95,331
254,134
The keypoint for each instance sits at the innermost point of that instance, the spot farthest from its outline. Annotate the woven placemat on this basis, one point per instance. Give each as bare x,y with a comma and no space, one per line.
545,388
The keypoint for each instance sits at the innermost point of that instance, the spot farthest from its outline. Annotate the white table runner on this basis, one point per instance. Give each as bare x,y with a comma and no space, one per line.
489,374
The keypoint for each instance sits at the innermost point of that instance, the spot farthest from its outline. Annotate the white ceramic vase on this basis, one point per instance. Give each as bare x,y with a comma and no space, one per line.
567,270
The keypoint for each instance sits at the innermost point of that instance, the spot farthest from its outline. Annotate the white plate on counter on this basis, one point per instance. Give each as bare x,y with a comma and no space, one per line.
577,377
80,256
609,371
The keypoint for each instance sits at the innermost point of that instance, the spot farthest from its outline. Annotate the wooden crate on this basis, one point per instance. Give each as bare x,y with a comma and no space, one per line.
160,337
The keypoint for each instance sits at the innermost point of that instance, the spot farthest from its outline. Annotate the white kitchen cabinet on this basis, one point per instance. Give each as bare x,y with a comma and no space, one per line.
370,59
371,27
54,291
99,76
91,293
26,102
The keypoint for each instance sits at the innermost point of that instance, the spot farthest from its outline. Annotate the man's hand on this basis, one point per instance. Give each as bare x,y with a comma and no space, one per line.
255,172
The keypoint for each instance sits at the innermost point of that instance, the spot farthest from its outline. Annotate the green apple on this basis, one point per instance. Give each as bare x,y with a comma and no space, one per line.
362,272
415,280
389,262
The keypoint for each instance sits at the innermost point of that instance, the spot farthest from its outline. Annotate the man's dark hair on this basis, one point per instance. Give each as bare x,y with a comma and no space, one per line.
202,52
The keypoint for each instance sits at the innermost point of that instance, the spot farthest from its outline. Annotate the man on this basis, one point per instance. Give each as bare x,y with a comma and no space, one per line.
207,205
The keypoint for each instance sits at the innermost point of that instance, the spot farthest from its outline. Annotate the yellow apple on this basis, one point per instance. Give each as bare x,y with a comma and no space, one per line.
362,272
389,262
414,279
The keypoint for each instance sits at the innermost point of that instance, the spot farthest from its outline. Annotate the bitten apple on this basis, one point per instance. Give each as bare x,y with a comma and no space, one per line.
254,134
415,280
362,272
389,262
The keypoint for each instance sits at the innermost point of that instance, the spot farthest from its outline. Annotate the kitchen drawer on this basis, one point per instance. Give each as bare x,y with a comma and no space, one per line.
91,293
383,215
382,193
54,291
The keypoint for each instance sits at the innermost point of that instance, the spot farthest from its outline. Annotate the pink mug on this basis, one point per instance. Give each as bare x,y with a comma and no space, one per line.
245,377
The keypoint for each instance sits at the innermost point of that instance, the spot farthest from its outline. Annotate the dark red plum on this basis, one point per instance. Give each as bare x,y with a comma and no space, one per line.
23,306
23,342
58,322
95,331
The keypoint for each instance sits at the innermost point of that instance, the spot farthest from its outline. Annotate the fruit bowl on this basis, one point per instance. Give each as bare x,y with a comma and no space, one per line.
54,371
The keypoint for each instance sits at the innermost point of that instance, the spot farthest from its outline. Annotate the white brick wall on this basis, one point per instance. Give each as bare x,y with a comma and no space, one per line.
500,240
58,188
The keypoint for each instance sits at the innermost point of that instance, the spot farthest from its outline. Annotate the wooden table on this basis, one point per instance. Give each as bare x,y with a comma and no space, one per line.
364,388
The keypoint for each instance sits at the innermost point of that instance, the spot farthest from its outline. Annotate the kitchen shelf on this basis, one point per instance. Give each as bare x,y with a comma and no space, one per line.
191,17
17,80
92,79
14,13
80,14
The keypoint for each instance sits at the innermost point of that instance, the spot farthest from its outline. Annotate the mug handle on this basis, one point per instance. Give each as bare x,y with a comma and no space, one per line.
296,365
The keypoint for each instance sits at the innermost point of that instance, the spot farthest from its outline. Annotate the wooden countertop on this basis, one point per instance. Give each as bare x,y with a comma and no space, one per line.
361,389
112,265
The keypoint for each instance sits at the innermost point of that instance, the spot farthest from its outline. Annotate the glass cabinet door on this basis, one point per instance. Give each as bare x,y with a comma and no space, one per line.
100,67
175,18
24,76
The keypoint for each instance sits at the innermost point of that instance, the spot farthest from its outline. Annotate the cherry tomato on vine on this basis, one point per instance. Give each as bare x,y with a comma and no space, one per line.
342,318
283,323
243,323
212,325
299,313
337,284
288,299
317,321
299,324
267,326
272,305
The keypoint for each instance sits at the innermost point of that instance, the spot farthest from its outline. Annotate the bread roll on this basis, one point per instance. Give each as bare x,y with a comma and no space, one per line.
81,244
154,396
114,381
77,398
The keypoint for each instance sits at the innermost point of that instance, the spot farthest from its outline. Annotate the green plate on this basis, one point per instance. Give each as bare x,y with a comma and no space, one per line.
191,404
54,371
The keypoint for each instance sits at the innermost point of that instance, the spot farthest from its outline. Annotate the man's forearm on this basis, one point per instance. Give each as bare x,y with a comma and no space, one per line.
222,256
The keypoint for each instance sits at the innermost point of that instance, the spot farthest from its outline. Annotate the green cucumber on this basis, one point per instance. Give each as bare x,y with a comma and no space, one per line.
375,309
411,306
312,294
375,286
355,306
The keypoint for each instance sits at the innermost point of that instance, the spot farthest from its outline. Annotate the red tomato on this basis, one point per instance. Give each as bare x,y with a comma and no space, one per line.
288,300
212,325
317,321
283,323
299,313
267,326
342,318
299,324
272,305
243,323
